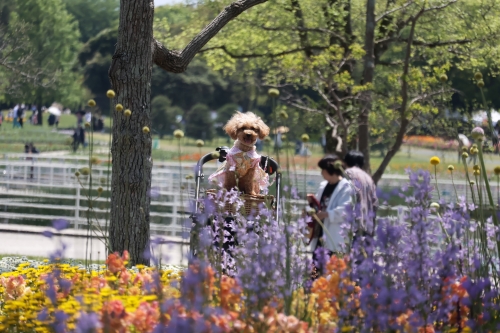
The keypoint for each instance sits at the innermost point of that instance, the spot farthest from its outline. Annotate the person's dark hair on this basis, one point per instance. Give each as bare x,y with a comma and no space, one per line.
329,163
355,158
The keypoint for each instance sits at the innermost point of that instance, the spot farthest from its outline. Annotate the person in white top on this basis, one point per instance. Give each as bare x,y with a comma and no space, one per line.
334,193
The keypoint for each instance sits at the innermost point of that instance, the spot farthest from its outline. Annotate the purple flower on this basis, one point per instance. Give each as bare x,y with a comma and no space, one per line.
88,323
60,224
48,233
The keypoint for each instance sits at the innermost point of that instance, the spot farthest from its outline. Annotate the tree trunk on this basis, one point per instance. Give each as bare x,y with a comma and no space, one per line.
130,75
368,73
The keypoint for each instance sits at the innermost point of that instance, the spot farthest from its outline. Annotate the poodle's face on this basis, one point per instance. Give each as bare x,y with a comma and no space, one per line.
246,127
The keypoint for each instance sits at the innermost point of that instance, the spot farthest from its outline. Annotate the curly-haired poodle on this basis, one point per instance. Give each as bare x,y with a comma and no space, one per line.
242,168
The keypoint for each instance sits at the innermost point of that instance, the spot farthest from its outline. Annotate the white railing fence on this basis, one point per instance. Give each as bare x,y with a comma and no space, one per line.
37,188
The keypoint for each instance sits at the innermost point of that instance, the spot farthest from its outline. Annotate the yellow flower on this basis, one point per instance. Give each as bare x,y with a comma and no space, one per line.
200,143
283,114
476,172
127,113
435,205
94,160
273,92
478,76
87,125
77,174
178,134
443,78
99,190
110,93
91,103
497,170
304,138
145,130
474,151
435,160
465,155
215,155
119,107
451,167
480,83
475,167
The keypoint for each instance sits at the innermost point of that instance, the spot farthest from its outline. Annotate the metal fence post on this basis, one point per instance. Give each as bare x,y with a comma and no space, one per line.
77,207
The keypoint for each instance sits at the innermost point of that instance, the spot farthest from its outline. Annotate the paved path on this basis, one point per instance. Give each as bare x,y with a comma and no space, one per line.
22,240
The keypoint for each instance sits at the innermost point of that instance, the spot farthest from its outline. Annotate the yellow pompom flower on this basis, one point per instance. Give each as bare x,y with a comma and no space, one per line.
304,138
119,107
91,103
435,160
85,171
283,114
178,134
87,125
127,113
110,93
480,83
200,143
451,167
145,130
478,76
475,167
215,154
273,92
435,205
497,170
77,174
94,160
476,172
99,190
443,78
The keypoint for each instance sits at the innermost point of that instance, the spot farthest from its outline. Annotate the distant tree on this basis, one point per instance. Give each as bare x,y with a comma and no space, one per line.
199,124
224,113
163,115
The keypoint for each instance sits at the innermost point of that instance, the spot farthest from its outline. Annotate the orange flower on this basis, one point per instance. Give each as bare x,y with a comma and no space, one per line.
116,263
145,317
113,316
15,287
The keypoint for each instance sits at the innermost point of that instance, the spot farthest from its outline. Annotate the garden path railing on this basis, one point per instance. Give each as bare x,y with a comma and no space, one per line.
36,189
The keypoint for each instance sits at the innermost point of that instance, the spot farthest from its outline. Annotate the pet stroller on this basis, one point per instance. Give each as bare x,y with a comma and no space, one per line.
269,165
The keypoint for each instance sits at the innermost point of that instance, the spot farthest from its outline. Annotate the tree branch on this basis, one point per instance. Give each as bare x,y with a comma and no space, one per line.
177,62
261,55
389,12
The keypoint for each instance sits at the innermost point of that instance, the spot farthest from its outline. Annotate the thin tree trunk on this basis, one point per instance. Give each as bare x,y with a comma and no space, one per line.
130,76
368,73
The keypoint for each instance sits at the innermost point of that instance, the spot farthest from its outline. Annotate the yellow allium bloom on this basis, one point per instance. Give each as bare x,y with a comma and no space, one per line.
451,167
200,143
119,107
127,113
110,93
304,138
145,130
178,134
476,172
273,92
91,103
435,160
497,170
465,155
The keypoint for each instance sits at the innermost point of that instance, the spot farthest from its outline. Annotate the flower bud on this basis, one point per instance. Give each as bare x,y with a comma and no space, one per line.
99,190
119,107
91,103
475,167
200,143
480,83
127,113
478,76
497,170
77,174
465,155
304,138
443,78
145,130
451,167
94,160
283,114
85,171
476,172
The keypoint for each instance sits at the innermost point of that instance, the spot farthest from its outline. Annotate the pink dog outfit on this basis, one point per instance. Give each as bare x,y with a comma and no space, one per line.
240,162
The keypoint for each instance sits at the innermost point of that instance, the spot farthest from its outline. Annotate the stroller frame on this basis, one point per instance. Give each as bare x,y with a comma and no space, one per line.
269,165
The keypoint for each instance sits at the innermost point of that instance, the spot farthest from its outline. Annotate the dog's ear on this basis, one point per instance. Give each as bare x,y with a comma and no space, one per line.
263,129
231,126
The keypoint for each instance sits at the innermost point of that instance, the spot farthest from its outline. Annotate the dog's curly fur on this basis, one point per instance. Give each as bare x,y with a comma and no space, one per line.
246,128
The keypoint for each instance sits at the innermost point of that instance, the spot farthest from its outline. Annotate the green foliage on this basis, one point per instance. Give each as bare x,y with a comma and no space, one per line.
93,16
51,41
198,123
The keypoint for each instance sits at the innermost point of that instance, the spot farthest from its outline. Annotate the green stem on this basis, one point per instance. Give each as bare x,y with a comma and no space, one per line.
488,189
454,187
435,178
